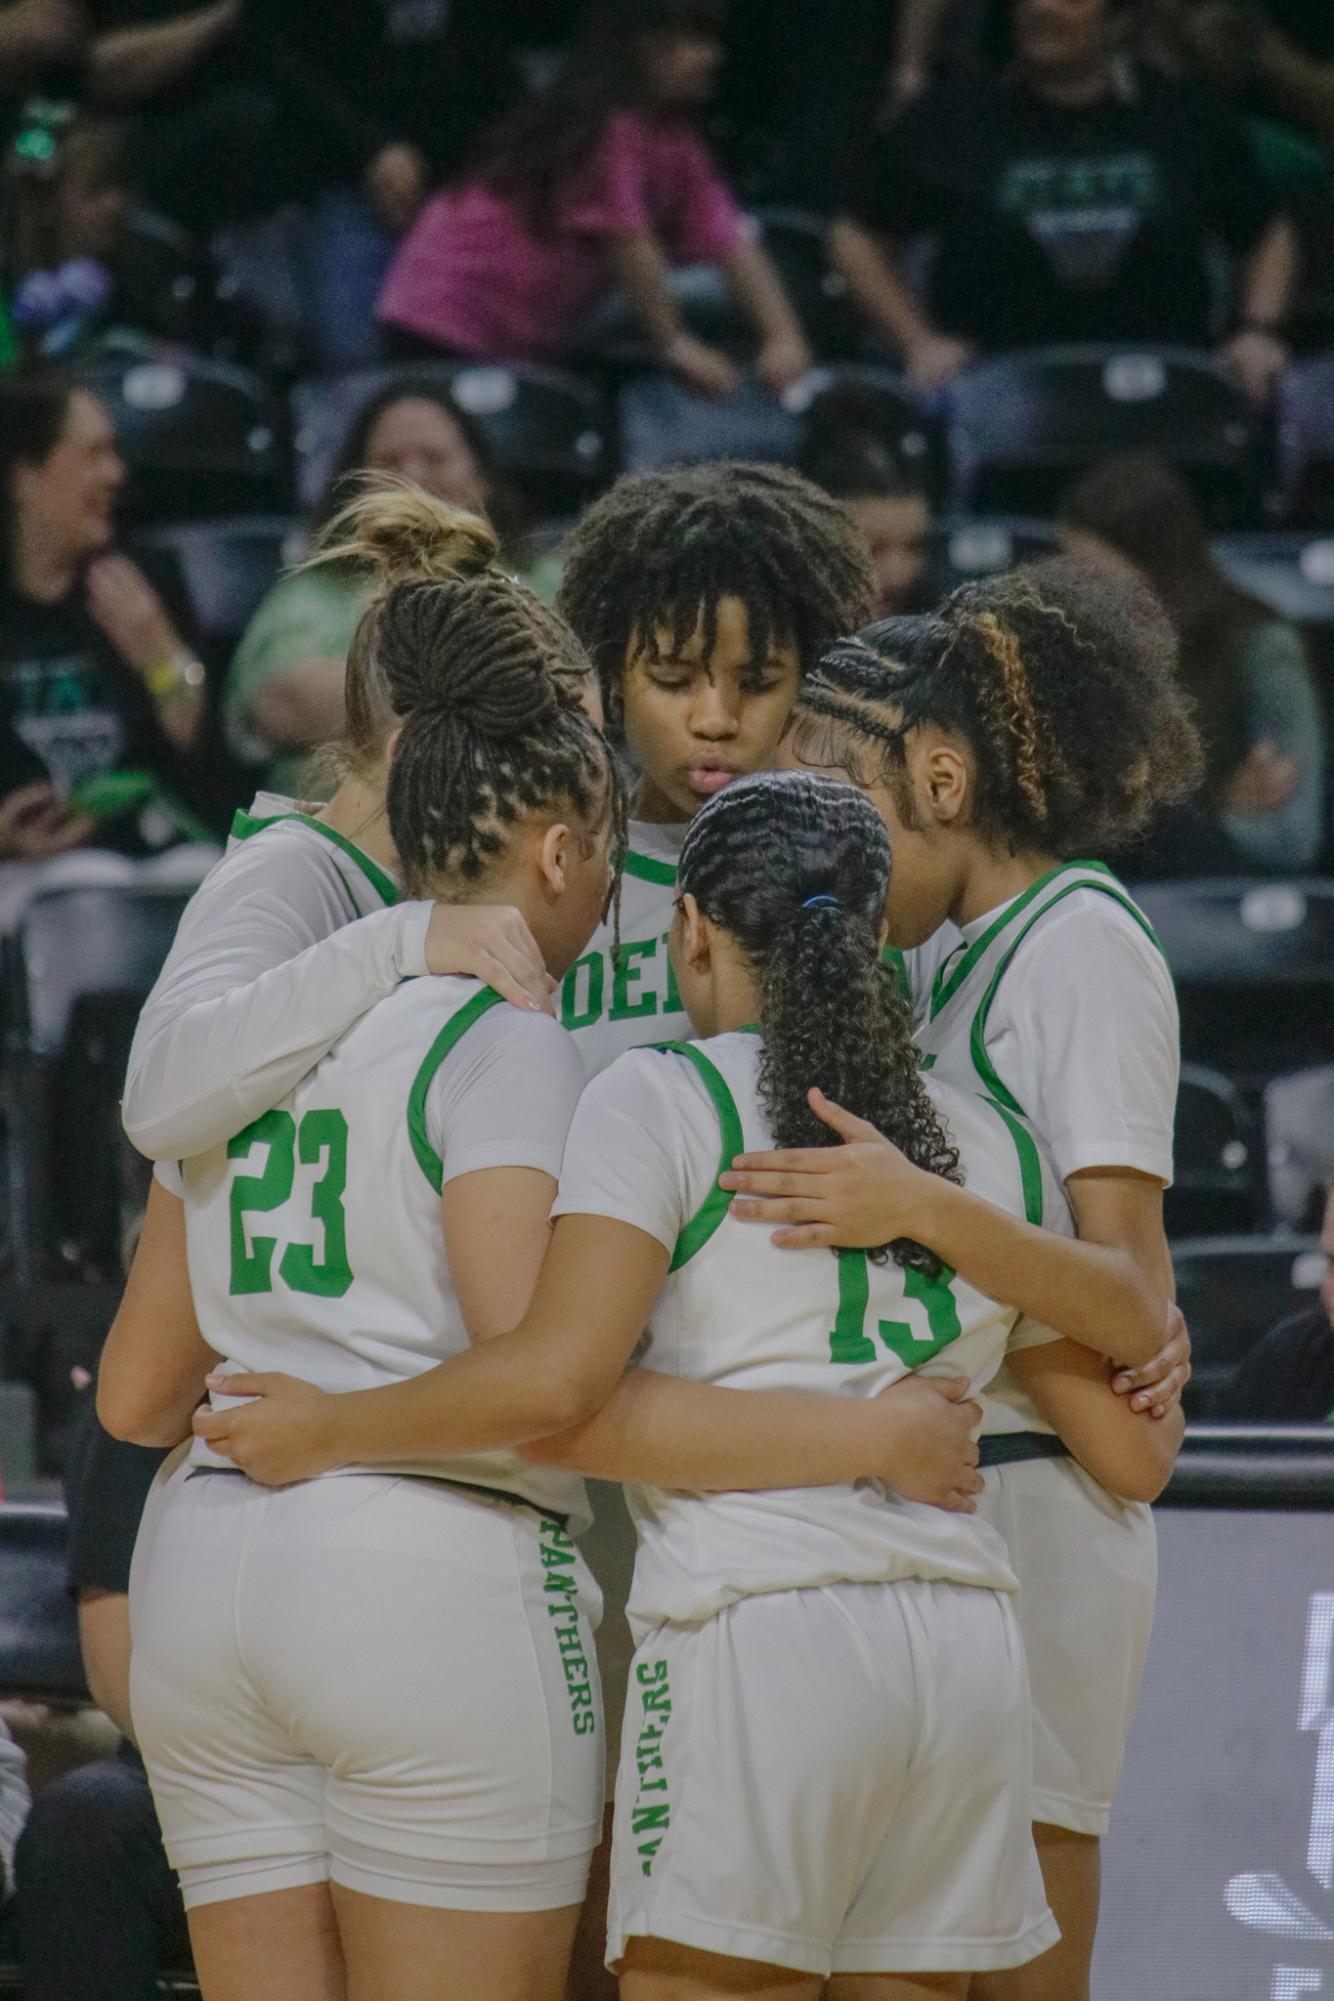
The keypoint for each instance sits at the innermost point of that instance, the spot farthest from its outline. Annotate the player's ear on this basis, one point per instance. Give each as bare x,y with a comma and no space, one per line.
553,855
696,941
944,780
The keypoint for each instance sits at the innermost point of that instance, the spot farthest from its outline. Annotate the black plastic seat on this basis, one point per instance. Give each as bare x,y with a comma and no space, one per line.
797,242
1254,968
1023,426
1306,439
226,567
547,430
1217,1189
1232,1290
76,971
966,548
1293,572
39,1632
199,437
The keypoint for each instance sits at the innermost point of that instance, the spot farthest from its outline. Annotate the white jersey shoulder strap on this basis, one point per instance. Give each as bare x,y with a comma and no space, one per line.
429,1161
245,826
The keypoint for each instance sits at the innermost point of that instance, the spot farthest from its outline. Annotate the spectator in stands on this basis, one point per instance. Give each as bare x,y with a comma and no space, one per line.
101,697
1246,668
42,43
99,1911
842,451
284,690
1288,1377
600,180
1079,197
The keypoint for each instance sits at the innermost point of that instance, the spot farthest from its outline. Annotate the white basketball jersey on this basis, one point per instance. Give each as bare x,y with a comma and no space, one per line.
314,1236
1092,1027
646,1146
613,1001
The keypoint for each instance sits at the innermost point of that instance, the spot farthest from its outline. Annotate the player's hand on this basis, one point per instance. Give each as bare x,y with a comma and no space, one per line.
490,942
851,1196
284,1434
1156,1385
930,1452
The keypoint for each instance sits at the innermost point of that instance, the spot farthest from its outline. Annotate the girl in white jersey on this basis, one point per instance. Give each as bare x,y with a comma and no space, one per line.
825,1767
1035,719
304,925
703,593
387,1685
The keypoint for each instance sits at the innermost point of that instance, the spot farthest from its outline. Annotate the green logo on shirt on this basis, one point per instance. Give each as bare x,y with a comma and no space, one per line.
630,984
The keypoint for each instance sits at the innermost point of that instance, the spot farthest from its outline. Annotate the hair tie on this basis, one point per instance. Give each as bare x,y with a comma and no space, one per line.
814,903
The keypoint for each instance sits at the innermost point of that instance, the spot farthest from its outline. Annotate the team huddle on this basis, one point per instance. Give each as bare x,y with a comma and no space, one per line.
687,1055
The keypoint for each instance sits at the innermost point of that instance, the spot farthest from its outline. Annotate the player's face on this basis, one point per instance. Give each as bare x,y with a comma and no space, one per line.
695,721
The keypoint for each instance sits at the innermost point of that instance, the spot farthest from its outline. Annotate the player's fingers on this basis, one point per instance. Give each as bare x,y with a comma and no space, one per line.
804,1237
846,1124
246,1386
521,983
771,1186
787,1160
754,1209
212,1426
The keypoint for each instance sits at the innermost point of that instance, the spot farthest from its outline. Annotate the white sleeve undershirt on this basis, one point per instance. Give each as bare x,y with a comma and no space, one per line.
264,977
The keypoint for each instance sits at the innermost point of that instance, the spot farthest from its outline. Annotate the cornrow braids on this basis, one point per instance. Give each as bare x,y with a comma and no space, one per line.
831,1013
1061,682
490,731
652,559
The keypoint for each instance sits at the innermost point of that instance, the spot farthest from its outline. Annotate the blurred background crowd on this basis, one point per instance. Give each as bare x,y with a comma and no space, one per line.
1000,275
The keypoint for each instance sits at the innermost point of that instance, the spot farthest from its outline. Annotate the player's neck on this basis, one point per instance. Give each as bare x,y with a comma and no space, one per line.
996,877
357,812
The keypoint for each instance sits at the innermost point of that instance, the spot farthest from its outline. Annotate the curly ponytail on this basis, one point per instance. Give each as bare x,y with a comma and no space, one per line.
1061,682
796,868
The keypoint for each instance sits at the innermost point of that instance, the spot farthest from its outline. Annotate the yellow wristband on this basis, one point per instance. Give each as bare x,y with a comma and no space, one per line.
173,677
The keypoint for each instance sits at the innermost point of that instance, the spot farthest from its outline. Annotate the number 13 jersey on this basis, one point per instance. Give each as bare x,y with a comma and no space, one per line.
314,1235
646,1146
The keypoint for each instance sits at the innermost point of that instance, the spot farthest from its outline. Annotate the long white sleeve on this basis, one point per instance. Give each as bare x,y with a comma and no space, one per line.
271,965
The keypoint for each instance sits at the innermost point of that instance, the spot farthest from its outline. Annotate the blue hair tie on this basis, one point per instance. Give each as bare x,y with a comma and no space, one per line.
815,902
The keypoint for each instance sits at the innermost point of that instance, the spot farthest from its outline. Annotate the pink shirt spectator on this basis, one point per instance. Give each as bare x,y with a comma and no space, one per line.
471,275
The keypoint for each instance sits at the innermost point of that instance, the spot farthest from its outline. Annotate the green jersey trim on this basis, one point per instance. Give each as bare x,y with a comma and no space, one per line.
457,1026
982,1062
955,970
1030,1161
713,1209
246,825
897,966
647,869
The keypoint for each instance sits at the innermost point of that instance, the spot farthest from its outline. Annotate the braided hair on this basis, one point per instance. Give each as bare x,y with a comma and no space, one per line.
795,867
1061,682
489,735
658,552
402,536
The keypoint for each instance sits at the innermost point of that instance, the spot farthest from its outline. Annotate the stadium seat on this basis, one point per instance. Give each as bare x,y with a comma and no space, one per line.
225,568
39,1632
1232,1290
1299,1144
1217,1189
797,242
1306,440
1292,572
1022,427
663,422
1254,968
548,431
200,438
76,971
965,548
612,342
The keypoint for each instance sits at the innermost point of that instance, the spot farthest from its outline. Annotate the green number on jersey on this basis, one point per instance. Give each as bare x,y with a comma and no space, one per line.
321,1133
849,1342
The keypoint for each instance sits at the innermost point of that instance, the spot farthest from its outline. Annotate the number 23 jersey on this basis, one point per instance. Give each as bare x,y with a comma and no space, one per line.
646,1146
314,1235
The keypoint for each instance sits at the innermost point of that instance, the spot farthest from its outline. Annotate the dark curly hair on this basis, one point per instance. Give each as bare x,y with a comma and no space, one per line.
796,868
660,551
1061,682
